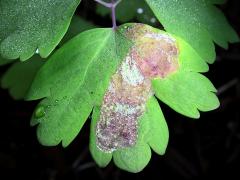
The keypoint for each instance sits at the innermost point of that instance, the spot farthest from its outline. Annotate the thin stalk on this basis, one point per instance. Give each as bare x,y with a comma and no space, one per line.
112,5
114,22
108,5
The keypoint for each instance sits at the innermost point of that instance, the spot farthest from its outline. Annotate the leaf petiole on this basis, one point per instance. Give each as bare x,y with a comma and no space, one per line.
111,6
108,5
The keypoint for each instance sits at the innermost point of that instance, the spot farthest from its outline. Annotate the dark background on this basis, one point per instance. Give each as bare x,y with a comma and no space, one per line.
204,148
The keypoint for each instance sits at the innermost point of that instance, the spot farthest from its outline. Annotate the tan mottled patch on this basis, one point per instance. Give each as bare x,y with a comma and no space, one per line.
154,55
124,102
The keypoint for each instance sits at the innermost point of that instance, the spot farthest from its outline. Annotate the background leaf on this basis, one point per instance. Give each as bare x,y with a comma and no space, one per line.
78,25
19,76
198,22
5,61
130,10
28,25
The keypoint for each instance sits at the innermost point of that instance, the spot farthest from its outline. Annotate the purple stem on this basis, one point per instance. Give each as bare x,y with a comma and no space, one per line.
108,5
111,6
114,23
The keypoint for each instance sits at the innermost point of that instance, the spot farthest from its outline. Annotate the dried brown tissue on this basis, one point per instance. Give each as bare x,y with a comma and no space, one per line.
154,55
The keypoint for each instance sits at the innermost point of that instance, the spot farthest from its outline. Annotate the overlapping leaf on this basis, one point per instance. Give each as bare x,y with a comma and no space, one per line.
5,61
28,25
198,22
19,76
78,25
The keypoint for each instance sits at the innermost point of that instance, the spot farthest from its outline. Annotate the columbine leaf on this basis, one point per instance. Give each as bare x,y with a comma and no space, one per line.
85,79
197,22
20,75
28,25
180,89
75,76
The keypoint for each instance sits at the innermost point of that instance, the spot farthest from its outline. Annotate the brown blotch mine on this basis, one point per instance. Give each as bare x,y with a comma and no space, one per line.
154,55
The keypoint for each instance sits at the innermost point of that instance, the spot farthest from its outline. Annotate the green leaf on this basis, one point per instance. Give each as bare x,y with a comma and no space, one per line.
74,83
133,159
20,75
198,22
94,53
78,80
61,119
189,59
186,93
101,158
102,10
28,25
159,135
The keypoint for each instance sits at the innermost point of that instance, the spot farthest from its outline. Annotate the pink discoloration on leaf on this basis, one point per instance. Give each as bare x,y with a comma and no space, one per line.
153,55
124,102
156,54
156,57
